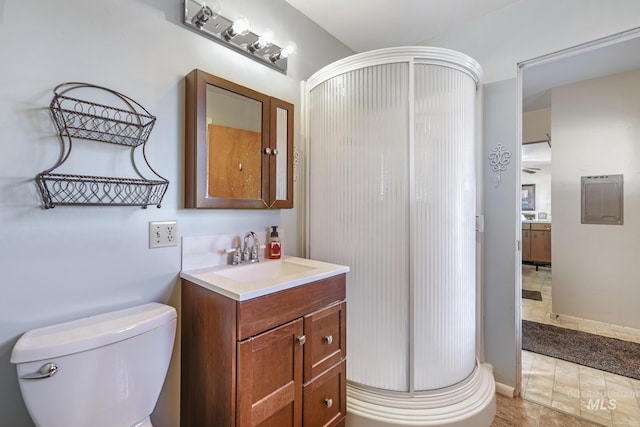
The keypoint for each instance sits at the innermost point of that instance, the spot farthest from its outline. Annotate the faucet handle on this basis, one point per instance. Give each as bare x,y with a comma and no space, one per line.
254,252
236,255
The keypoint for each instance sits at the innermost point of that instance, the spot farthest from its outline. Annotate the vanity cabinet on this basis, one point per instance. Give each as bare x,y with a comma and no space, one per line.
536,243
276,360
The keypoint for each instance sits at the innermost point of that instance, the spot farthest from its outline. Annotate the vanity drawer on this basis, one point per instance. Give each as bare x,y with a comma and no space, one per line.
325,398
266,312
526,226
326,343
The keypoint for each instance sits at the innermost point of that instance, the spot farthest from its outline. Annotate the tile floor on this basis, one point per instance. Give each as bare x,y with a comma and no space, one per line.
600,397
518,412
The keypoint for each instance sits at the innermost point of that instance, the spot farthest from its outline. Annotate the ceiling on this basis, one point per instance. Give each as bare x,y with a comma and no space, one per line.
365,25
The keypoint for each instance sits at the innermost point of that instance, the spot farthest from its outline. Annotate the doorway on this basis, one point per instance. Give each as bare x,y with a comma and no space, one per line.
538,378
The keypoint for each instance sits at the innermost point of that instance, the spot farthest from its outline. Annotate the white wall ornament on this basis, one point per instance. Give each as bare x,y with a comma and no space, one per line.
499,159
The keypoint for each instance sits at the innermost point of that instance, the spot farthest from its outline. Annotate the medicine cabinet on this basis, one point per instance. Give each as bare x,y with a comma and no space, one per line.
238,146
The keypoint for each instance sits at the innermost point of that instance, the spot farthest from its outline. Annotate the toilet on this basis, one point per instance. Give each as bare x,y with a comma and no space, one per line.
105,370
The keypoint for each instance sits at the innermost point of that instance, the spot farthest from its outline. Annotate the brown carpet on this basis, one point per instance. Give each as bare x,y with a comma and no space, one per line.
606,354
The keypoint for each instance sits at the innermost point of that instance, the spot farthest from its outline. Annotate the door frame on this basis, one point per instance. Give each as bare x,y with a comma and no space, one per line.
610,40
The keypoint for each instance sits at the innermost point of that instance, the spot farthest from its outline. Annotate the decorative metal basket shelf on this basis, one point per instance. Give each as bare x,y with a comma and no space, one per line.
128,124
87,120
62,189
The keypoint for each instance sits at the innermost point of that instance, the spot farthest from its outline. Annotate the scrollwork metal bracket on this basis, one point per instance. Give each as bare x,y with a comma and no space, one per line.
499,159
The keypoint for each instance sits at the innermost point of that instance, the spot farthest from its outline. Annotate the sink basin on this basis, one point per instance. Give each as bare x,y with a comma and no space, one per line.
265,270
243,282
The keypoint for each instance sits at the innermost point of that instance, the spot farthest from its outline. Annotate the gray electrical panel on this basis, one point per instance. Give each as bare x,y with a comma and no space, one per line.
602,199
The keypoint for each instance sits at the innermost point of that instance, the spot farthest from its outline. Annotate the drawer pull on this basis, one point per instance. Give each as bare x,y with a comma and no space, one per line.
301,340
328,403
328,339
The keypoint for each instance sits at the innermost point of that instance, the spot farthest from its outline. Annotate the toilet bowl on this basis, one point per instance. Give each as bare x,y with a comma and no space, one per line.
105,370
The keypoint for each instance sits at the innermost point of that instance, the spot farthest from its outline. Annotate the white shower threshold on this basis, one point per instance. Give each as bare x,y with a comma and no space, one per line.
472,403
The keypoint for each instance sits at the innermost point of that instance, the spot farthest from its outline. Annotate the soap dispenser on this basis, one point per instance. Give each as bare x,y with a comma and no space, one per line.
274,243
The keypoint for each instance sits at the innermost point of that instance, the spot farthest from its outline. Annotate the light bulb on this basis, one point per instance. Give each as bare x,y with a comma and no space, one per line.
205,13
284,53
289,49
266,39
215,7
240,26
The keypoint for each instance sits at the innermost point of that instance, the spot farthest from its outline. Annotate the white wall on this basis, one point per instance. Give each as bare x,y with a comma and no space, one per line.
69,262
500,224
536,125
596,131
499,41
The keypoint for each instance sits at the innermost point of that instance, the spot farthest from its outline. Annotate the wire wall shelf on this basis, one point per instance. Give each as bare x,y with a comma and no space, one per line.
87,120
128,124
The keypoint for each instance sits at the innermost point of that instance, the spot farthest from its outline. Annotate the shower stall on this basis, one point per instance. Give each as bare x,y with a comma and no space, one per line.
392,139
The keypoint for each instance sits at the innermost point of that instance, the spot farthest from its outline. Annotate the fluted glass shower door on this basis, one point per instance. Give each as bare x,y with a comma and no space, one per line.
392,194
359,214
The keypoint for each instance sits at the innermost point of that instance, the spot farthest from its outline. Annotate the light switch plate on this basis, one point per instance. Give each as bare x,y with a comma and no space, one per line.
163,234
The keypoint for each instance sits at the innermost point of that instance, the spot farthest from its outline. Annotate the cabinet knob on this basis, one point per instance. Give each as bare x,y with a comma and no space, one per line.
275,151
328,339
267,150
301,340
328,402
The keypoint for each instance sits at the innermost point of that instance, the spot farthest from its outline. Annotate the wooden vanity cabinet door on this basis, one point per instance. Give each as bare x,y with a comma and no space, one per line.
325,398
326,345
269,378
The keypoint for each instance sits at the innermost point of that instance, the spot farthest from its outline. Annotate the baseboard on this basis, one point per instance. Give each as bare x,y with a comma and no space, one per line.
505,390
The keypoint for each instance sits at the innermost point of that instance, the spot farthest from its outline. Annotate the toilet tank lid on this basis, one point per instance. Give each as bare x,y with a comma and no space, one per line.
90,332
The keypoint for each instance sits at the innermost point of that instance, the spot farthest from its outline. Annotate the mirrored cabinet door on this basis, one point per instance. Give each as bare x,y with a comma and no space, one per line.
238,146
281,162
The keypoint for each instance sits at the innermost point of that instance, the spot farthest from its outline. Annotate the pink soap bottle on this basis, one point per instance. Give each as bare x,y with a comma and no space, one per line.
274,244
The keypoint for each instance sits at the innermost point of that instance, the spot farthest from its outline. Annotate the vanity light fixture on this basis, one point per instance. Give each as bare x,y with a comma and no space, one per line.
265,40
205,19
284,53
240,27
205,13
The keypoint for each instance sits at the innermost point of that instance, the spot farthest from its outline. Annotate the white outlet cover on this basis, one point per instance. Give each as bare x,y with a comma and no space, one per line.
163,234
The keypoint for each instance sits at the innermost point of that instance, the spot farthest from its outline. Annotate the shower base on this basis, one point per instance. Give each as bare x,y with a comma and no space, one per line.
471,403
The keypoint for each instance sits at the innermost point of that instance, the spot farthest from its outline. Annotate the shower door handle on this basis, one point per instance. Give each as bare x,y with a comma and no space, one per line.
46,371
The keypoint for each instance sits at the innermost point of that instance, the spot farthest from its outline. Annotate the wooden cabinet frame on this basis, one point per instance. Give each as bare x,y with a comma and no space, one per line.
229,347
196,153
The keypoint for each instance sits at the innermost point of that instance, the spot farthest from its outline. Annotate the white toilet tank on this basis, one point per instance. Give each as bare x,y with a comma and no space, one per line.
108,369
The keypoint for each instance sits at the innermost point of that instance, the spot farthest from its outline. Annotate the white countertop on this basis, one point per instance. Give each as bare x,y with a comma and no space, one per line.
534,221
299,272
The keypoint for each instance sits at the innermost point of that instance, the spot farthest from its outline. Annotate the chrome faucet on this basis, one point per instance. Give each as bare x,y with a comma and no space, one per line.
250,253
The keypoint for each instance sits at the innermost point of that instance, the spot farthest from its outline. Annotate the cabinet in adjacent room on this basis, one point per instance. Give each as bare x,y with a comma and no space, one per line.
276,360
526,241
536,243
